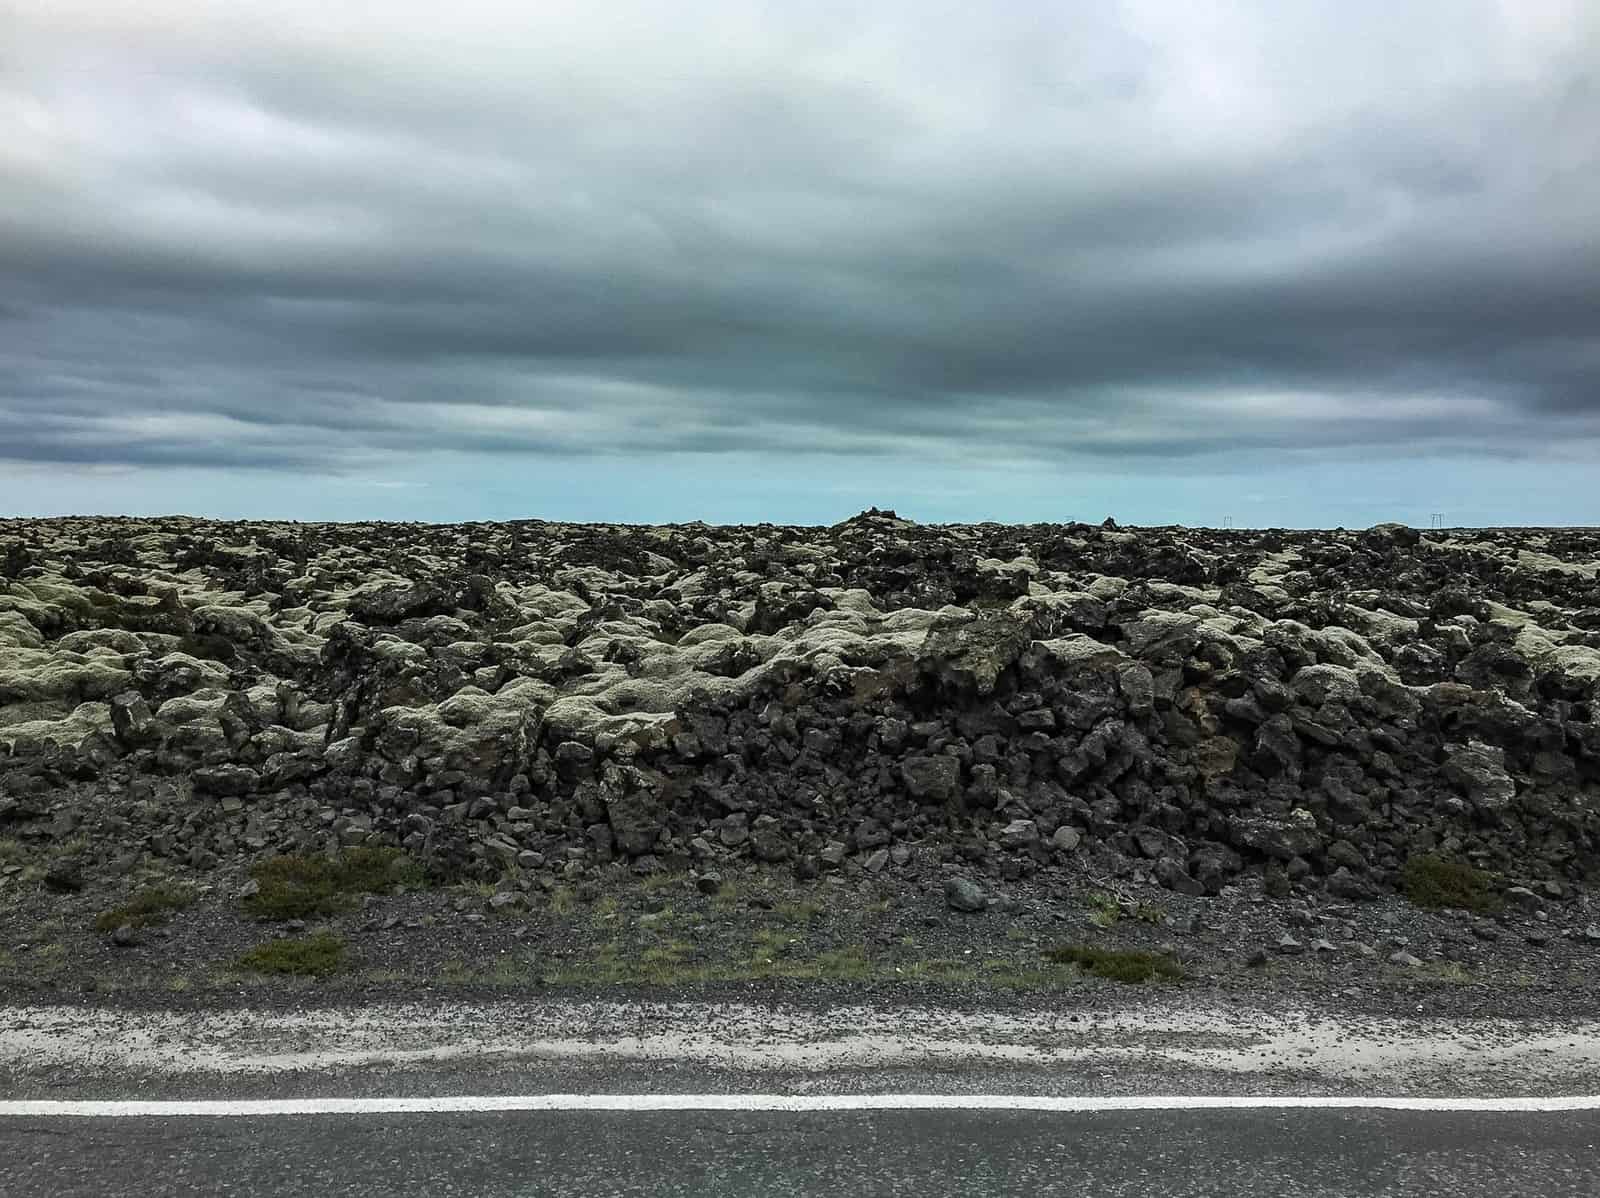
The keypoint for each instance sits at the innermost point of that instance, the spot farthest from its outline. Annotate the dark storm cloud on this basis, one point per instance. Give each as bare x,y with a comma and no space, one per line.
310,240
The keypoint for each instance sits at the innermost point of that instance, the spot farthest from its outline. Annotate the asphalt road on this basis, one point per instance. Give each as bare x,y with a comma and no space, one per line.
1182,1154
610,1099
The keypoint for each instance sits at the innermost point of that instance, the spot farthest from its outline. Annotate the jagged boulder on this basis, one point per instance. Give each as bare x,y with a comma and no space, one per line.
1478,771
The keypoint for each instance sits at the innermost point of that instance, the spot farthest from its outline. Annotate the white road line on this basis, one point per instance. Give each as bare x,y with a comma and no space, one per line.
770,1102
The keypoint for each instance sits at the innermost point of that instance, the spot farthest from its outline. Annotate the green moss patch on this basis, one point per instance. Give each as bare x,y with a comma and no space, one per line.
152,905
1435,882
307,957
303,887
1117,964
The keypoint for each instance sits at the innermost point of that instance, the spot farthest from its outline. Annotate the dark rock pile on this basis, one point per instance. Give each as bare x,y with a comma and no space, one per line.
548,698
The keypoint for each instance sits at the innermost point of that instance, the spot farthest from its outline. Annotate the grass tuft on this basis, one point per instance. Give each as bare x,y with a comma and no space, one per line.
848,964
1104,910
308,957
1432,881
301,887
797,913
152,905
768,944
661,880
1117,964
1451,973
1150,913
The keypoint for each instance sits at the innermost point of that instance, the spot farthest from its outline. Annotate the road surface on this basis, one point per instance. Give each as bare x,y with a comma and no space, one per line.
1337,1153
747,1102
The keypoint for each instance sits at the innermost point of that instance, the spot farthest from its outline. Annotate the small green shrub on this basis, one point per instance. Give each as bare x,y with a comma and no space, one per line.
1149,913
377,869
1116,964
1104,910
308,957
152,905
663,880
1432,881
294,888
847,964
797,913
302,887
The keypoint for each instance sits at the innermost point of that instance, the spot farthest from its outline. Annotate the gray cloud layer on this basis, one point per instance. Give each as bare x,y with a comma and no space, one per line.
310,235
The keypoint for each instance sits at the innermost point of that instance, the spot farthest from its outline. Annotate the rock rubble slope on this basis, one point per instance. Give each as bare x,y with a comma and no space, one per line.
1313,707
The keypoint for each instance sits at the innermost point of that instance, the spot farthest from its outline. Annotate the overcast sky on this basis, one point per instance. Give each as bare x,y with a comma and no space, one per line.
1288,262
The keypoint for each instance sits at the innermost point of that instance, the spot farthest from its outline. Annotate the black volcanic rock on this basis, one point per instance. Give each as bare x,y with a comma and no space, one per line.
1310,707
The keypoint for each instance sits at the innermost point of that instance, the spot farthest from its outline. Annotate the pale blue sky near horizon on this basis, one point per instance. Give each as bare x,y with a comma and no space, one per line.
450,489
1306,264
